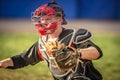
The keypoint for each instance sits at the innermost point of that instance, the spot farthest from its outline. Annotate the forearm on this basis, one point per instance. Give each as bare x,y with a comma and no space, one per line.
29,56
6,63
89,53
13,62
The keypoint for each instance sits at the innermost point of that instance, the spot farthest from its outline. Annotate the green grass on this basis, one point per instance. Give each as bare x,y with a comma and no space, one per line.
109,64
12,44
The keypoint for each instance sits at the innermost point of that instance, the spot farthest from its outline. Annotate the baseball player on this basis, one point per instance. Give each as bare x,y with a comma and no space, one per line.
68,53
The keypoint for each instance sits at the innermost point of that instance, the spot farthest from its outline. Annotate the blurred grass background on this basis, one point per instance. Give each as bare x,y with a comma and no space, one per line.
12,44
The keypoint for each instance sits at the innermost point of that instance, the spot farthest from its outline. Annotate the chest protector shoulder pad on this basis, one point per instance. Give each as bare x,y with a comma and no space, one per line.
81,36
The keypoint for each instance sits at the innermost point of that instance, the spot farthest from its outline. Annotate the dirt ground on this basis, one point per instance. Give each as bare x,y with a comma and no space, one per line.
95,26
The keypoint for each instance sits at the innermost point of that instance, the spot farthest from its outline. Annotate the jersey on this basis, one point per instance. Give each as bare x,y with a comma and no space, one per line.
78,39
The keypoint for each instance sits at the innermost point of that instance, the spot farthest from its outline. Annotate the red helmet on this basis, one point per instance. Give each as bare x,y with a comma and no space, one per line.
47,9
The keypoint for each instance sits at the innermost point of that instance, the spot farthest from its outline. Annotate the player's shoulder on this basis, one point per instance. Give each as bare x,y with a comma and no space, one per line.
83,32
82,35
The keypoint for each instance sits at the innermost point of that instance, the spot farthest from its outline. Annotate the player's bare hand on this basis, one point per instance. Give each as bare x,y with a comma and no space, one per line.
2,64
6,63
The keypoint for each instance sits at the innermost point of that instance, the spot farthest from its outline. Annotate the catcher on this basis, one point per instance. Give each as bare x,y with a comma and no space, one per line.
68,53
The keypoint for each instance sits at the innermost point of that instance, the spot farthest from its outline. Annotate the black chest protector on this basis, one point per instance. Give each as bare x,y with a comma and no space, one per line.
67,37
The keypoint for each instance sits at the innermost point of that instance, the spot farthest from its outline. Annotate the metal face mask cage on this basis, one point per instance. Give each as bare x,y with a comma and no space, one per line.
36,18
42,28
47,10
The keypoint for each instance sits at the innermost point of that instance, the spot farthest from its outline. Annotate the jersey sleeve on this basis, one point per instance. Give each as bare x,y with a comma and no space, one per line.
30,56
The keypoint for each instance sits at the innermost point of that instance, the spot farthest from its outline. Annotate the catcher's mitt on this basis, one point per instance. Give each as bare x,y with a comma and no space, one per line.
65,57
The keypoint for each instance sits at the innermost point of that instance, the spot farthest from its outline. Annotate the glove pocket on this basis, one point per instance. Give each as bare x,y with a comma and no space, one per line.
66,62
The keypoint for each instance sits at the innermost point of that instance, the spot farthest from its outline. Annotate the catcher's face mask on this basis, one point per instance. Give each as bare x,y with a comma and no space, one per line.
44,18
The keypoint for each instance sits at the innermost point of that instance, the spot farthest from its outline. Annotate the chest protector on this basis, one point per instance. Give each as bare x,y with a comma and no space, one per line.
67,37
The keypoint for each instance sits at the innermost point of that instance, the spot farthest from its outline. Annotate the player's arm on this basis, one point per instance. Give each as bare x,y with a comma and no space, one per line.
87,48
90,53
29,56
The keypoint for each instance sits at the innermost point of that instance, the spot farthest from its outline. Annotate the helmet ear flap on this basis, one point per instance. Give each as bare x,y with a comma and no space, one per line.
64,21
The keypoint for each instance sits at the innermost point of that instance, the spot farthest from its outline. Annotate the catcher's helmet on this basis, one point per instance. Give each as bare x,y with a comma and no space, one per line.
45,10
49,9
